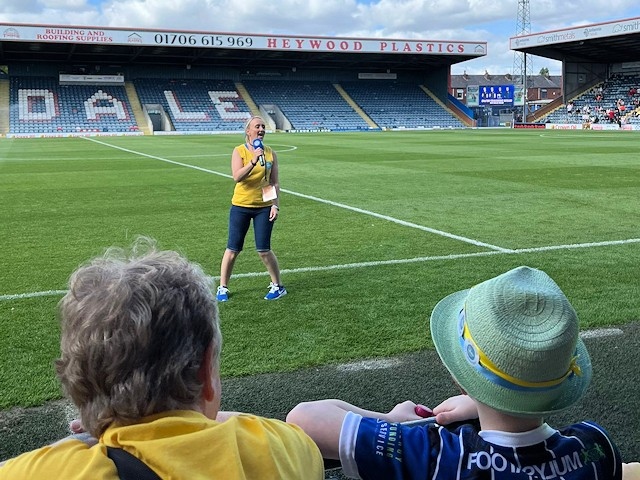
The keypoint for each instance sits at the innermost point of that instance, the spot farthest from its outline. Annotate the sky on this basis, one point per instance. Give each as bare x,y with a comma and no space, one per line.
491,21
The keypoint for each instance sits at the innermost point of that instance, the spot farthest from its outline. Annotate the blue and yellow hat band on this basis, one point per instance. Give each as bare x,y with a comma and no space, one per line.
481,362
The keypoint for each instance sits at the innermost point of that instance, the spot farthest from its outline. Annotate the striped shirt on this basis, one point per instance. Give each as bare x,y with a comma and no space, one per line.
374,449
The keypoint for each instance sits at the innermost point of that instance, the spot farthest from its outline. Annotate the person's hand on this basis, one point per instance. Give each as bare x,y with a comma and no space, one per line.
456,409
404,412
76,426
273,214
257,153
78,432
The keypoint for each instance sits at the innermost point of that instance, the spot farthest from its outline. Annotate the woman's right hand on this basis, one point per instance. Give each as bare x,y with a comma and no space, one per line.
257,153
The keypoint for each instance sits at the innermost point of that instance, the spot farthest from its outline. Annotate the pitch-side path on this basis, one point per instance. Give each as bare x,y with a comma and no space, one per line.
612,399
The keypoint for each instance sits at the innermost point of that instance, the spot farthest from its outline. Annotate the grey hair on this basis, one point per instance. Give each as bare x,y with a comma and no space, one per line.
135,329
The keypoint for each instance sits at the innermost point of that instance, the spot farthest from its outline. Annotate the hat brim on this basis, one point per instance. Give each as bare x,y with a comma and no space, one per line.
445,336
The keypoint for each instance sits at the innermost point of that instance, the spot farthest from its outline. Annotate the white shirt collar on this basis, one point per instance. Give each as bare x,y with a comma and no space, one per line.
520,439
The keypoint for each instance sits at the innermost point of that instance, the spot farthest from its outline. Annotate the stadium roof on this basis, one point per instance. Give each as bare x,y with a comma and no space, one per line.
533,81
97,45
611,42
100,54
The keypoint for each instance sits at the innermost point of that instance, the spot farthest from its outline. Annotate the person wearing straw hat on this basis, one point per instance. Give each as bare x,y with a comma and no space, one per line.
512,344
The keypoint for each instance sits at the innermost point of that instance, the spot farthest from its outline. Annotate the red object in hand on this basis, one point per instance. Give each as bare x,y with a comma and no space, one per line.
423,411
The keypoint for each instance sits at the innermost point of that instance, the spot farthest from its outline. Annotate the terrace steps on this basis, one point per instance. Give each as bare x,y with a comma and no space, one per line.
4,107
246,96
136,107
464,120
354,105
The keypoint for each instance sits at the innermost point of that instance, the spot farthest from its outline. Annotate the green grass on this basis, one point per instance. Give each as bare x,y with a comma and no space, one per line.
65,200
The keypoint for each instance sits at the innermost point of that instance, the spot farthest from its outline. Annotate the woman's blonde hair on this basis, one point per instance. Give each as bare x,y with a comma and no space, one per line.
248,122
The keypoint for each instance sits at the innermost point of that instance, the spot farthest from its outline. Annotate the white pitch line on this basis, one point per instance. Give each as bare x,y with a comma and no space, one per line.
46,293
376,364
393,362
440,257
154,157
321,200
601,332
377,263
578,245
401,222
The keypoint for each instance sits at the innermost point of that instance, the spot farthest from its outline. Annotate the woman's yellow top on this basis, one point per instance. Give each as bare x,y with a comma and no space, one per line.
248,192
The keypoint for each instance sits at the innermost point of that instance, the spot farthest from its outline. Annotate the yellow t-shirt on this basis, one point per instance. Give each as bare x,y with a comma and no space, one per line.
182,445
248,192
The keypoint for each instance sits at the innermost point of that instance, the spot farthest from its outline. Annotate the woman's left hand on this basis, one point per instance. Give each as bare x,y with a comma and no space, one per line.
273,214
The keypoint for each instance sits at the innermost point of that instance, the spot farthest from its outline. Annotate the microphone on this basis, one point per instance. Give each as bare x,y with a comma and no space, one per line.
257,143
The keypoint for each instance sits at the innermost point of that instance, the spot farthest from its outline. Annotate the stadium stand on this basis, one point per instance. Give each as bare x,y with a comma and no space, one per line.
395,105
603,103
41,105
4,105
307,105
196,105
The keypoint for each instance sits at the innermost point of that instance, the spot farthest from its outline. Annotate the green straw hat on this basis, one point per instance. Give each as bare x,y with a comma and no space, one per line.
512,343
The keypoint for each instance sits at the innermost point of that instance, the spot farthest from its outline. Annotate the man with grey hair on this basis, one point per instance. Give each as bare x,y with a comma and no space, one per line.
140,352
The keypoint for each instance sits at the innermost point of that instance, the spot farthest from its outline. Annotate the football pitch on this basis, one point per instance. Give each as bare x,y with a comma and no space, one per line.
374,229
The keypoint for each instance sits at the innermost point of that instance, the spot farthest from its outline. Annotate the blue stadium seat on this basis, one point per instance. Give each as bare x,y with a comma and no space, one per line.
196,105
42,105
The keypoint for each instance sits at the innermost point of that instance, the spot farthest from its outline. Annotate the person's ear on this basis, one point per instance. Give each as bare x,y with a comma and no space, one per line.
205,374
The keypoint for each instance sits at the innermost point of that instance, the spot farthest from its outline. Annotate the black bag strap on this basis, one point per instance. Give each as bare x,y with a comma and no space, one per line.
129,467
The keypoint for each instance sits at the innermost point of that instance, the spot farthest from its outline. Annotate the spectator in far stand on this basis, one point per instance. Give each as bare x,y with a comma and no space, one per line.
621,106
